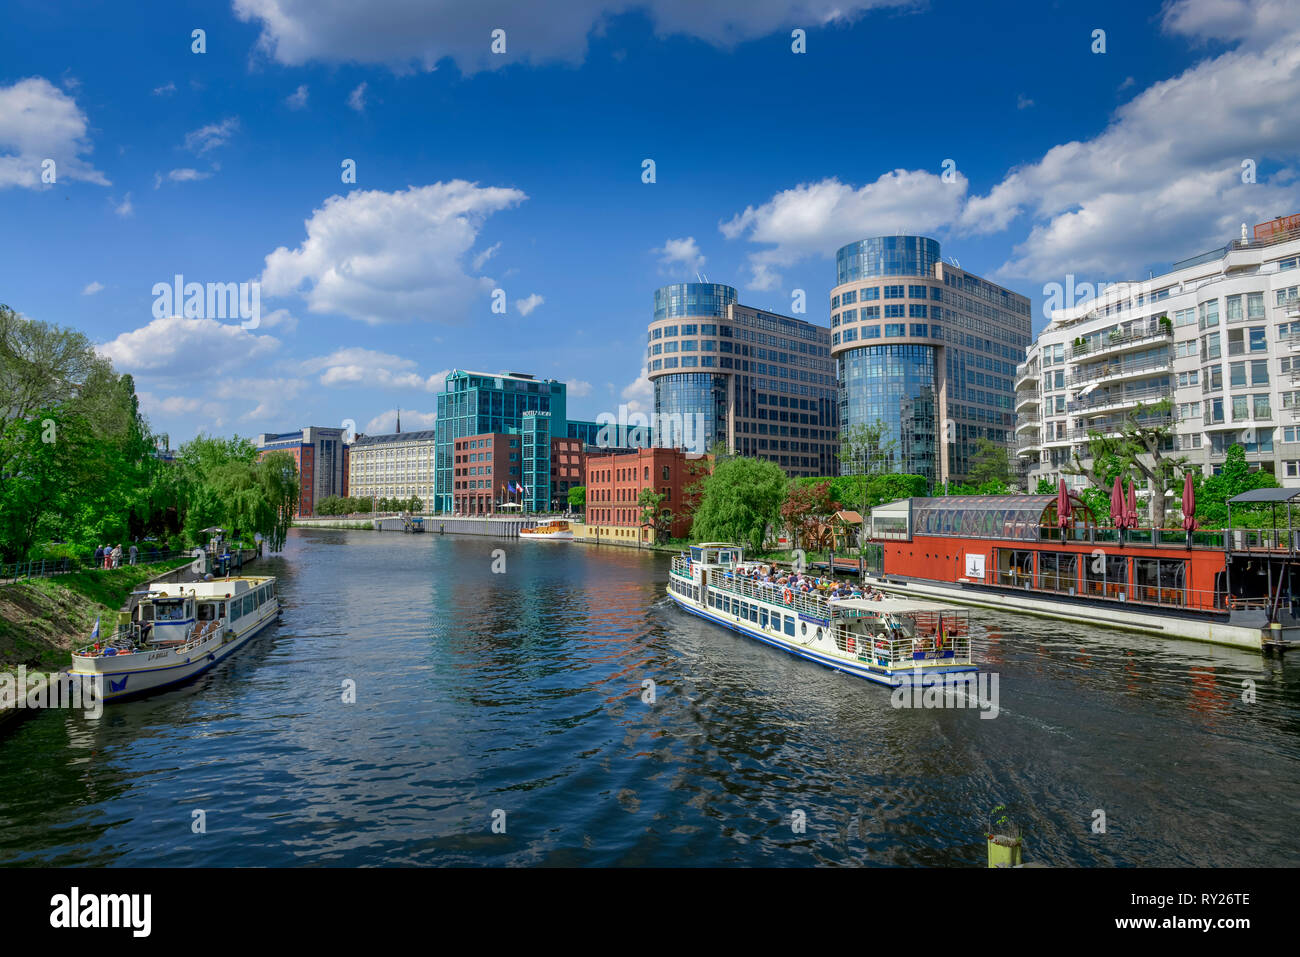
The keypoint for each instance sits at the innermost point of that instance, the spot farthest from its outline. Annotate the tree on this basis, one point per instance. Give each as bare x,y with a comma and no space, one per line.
1236,476
1142,448
741,501
805,505
652,513
991,463
1045,487
578,497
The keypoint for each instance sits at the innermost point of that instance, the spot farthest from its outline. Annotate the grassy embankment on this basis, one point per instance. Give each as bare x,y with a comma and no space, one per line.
41,619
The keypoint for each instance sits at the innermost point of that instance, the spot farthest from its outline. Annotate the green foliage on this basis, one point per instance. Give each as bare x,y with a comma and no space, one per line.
846,491
965,488
653,514
990,464
805,505
1046,487
578,496
741,501
1213,492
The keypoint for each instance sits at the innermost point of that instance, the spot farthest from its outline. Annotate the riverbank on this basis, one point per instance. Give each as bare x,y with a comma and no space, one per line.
42,618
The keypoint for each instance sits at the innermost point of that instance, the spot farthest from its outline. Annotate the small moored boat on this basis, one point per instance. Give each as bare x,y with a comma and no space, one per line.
557,531
175,634
889,641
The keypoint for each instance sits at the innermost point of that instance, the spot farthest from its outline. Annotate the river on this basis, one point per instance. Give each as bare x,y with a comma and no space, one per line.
514,698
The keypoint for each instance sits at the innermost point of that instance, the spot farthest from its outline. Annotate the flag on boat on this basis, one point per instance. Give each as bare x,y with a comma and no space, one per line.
95,634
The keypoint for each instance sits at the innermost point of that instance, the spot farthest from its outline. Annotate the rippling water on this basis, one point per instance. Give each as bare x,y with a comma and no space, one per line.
521,693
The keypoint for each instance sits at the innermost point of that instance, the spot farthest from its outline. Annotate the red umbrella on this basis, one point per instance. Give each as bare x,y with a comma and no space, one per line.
1063,510
1189,503
1117,504
1131,509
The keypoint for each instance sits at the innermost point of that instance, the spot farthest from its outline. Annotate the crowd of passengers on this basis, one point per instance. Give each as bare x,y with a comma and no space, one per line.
768,576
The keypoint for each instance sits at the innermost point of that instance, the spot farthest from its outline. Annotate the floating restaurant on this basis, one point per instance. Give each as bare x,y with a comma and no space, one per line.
1047,555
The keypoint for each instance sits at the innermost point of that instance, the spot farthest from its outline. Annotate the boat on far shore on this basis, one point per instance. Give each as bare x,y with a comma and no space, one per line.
554,531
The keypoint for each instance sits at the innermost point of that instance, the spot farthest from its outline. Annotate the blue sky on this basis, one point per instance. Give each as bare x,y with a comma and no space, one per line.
522,171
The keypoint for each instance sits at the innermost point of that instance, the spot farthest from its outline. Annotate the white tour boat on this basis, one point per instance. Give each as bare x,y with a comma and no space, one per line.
886,640
176,633
557,531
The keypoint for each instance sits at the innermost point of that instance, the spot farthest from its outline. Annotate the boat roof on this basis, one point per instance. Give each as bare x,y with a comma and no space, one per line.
893,606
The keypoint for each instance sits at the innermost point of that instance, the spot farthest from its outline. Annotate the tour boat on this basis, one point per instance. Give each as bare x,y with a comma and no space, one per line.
1236,587
175,634
556,531
886,640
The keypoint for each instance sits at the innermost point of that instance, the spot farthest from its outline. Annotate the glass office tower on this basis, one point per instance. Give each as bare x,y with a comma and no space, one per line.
761,383
537,461
926,348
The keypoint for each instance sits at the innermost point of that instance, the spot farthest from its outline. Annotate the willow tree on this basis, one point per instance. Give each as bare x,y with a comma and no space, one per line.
741,502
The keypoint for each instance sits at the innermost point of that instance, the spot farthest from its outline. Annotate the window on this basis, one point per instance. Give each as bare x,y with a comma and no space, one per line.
1261,407
1236,374
916,292
895,328
848,297
893,292
1258,339
1185,317
1255,305
1259,372
894,312
1234,310
872,293
916,311
871,312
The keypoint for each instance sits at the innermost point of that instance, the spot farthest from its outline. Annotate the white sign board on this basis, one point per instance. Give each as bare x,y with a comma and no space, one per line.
974,566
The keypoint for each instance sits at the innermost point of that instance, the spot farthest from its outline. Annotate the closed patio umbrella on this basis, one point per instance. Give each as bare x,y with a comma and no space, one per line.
1189,504
1063,510
1117,504
1131,509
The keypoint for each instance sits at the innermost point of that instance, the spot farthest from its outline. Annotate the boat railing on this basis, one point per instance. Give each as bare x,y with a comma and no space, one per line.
120,644
809,603
909,652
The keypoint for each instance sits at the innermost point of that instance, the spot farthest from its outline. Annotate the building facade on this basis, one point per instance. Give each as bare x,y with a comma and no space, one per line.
321,455
926,348
396,465
761,383
615,481
1207,349
478,403
485,469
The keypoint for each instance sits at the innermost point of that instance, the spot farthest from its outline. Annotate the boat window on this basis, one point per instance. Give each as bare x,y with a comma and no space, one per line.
146,612
753,613
789,625
762,617
205,612
170,611
1058,571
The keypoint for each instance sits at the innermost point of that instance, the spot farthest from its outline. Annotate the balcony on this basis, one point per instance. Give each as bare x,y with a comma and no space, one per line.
1117,342
1114,426
1027,443
1096,402
1118,371
1026,400
1027,423
1026,375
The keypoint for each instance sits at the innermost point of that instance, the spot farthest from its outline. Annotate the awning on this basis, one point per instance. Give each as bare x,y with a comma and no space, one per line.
1274,496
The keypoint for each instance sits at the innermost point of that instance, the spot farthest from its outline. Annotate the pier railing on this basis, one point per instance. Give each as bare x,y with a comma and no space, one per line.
49,567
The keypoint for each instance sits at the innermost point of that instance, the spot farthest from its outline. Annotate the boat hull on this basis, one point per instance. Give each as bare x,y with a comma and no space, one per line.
527,536
135,682
957,673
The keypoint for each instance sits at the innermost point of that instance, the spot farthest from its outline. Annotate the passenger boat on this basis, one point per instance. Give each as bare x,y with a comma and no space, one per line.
556,531
886,640
177,633
1235,587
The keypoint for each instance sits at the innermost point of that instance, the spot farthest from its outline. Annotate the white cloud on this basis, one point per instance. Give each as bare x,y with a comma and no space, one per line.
579,388
124,208
39,122
485,255
1023,102
639,394
179,348
815,219
297,99
358,366
384,257
167,89
685,252
357,98
1165,177
525,306
186,175
412,421
213,135
408,35
92,288
281,319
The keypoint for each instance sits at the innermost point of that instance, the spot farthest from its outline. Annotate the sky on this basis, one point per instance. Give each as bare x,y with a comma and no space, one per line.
502,216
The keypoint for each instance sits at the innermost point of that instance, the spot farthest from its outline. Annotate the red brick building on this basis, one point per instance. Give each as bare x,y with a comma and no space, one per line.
568,469
615,480
484,467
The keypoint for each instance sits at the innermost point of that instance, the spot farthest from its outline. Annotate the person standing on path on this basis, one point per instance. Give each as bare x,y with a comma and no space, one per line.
135,553
99,556
117,556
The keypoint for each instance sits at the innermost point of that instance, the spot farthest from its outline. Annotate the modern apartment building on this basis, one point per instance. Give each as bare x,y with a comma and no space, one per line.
480,403
322,458
1218,335
760,382
396,465
926,348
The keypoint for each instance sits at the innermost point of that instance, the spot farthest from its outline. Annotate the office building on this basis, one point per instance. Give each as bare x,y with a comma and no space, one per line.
760,383
322,459
395,465
926,348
